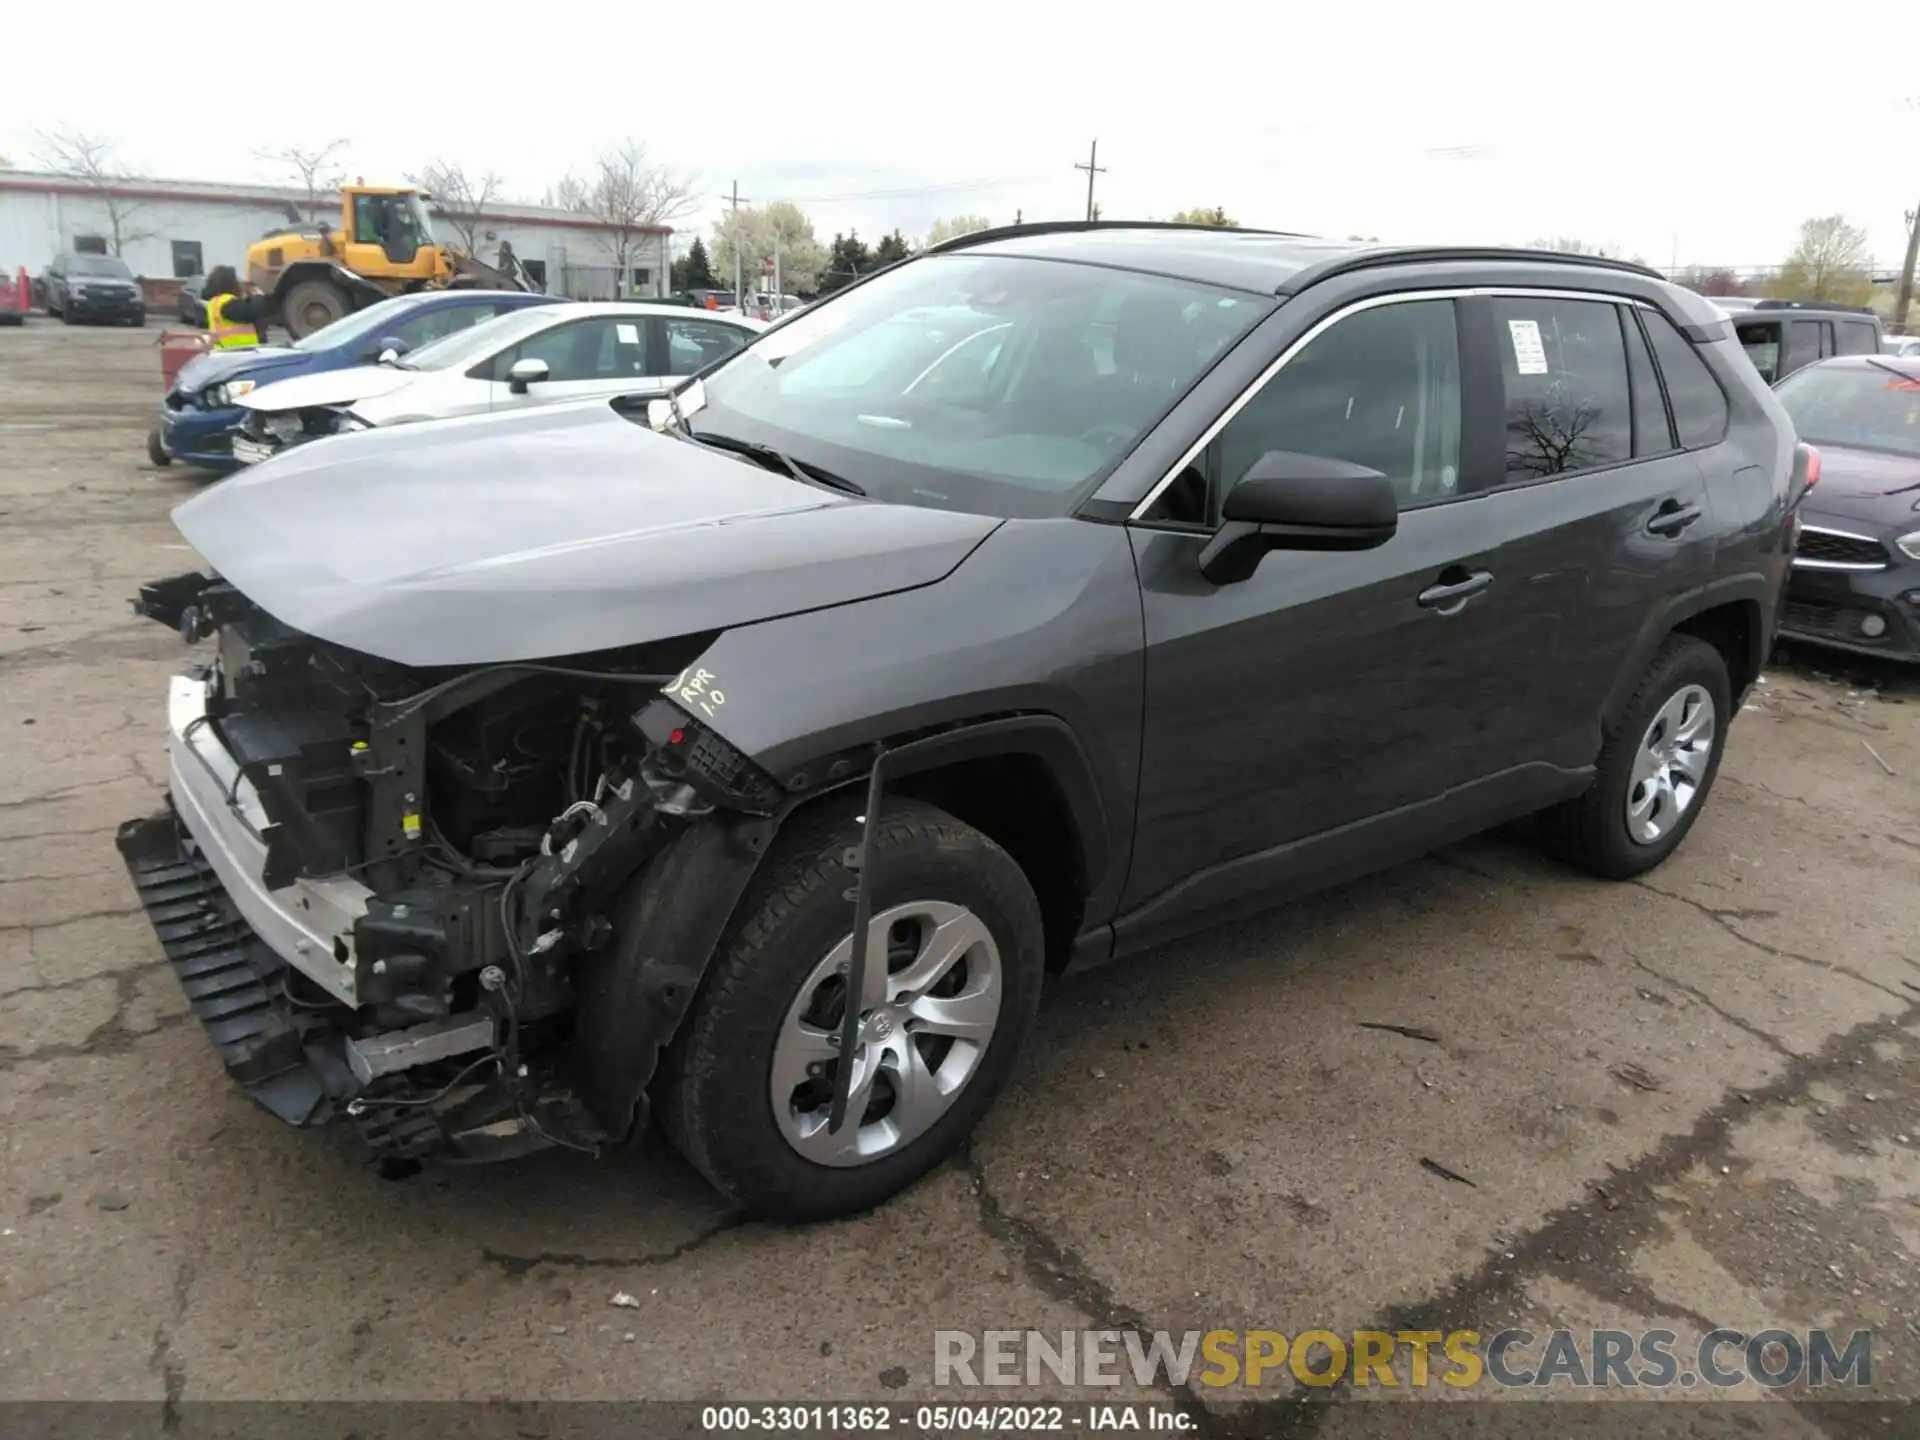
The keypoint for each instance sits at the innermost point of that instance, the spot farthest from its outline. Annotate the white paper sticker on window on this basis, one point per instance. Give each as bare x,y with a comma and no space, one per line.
630,335
1528,353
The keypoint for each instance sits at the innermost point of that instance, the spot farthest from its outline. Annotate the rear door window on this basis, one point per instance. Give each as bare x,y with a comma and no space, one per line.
1563,370
1762,344
1699,404
1803,345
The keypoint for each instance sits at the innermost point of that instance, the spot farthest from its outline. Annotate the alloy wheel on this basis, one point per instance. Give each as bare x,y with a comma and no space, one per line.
931,1002
1670,765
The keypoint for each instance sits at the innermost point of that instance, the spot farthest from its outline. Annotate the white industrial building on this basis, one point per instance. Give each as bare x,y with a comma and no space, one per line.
171,229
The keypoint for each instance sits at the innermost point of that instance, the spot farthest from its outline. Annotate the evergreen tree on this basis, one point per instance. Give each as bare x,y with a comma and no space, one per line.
699,267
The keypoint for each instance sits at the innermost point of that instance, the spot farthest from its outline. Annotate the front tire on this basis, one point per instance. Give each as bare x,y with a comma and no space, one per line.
957,931
312,305
1655,770
156,452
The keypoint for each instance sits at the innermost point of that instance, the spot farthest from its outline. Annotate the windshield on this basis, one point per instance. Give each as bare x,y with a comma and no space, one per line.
107,267
1869,407
362,324
985,383
479,341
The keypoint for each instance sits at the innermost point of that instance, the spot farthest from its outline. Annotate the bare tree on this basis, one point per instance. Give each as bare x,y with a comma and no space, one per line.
314,169
1711,281
630,196
91,160
461,197
1830,262
567,193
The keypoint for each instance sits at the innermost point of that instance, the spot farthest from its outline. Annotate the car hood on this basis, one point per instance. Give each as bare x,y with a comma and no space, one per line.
256,363
1870,485
330,387
544,533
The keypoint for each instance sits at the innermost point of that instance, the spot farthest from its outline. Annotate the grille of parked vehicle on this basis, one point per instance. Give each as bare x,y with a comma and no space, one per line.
1832,547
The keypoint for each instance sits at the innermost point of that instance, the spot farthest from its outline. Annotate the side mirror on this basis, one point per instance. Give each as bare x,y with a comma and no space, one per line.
394,346
1291,501
525,373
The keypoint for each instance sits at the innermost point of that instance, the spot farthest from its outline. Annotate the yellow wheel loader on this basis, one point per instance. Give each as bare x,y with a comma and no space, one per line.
383,246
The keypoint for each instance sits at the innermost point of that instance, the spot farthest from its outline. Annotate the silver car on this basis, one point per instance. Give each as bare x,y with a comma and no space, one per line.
537,356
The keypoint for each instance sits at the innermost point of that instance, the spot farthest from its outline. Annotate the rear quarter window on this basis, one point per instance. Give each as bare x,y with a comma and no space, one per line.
1762,344
1857,337
1699,404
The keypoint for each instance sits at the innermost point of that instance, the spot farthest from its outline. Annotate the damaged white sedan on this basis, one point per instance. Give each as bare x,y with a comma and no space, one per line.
523,359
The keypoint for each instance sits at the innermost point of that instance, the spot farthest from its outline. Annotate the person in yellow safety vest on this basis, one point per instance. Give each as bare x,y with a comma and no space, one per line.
236,320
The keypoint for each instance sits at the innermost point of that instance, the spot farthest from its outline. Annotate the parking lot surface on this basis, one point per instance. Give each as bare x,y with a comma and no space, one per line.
1688,1101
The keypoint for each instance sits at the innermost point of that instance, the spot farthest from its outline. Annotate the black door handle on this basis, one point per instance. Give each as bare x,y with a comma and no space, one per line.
1450,596
1672,517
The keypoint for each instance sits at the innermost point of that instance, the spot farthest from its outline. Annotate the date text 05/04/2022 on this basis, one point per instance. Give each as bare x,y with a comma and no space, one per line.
944,1419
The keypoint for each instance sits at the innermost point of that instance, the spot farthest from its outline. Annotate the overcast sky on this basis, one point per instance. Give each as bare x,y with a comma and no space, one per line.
1657,128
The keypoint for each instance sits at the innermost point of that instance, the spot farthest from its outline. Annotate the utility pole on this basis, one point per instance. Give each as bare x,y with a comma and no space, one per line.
739,294
1092,168
1905,297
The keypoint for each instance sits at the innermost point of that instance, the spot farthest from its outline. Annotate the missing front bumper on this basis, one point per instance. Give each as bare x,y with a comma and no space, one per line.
233,980
299,1064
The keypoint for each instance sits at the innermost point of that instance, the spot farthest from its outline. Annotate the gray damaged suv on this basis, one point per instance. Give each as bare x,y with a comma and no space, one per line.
1040,599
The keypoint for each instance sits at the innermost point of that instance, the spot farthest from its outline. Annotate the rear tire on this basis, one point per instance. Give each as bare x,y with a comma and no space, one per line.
1647,762
312,305
718,1094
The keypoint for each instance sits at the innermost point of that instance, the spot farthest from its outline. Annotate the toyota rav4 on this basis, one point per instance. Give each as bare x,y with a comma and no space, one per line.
747,758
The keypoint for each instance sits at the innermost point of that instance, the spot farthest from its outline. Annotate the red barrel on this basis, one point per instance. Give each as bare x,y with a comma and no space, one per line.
177,347
16,295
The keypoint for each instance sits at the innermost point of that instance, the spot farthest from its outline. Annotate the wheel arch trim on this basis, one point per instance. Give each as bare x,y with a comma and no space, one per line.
634,995
1751,591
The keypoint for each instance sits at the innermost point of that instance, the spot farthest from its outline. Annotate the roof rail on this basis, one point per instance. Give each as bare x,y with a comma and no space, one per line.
1414,254
1058,227
1814,305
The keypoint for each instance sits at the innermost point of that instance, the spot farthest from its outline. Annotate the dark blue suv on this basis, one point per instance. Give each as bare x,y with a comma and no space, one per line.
199,416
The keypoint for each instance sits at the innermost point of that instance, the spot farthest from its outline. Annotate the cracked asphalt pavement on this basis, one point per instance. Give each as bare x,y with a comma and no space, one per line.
1477,1090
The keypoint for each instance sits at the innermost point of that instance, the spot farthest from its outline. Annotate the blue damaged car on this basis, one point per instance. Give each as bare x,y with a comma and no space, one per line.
200,411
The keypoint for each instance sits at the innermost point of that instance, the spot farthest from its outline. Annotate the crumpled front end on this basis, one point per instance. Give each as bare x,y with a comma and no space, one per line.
263,434
384,890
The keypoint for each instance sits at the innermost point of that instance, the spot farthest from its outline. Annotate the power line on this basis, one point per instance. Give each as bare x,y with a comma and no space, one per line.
901,192
1092,168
